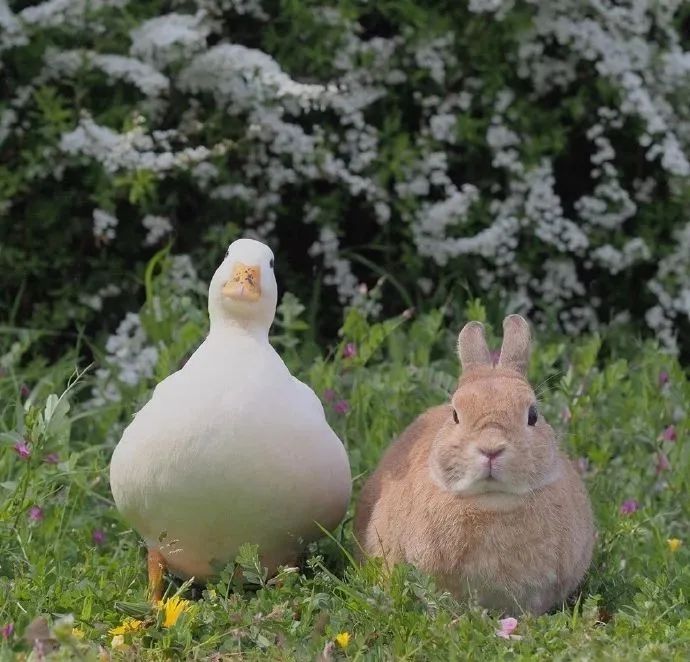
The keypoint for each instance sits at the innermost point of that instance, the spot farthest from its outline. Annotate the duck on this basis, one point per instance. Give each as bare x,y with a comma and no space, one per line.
231,448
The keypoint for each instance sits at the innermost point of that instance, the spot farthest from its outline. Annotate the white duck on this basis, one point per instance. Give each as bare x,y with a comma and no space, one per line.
231,448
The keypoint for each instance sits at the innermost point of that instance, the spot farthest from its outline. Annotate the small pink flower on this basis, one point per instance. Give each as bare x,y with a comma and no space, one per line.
629,506
669,433
664,378
341,407
329,395
35,514
98,537
7,630
51,458
662,463
350,350
24,391
508,626
22,449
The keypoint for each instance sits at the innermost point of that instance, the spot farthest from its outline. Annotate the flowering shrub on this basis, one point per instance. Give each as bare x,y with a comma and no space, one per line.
535,151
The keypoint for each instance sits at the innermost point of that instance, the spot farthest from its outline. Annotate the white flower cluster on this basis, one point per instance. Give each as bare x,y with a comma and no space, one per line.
129,357
117,67
11,30
615,260
251,8
134,150
56,13
131,354
243,78
157,226
95,301
104,225
673,270
170,38
613,37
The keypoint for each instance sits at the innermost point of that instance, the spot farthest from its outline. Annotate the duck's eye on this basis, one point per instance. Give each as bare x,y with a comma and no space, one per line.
455,416
271,263
532,415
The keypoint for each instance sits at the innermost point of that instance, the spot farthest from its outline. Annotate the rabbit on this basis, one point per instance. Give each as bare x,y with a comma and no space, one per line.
476,492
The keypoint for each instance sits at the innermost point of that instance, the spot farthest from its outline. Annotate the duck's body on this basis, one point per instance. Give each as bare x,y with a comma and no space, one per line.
230,449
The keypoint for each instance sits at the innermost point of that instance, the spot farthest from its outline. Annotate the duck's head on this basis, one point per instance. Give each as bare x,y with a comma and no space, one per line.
244,286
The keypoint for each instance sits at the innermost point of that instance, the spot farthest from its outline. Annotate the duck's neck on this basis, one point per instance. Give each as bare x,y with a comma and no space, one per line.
223,330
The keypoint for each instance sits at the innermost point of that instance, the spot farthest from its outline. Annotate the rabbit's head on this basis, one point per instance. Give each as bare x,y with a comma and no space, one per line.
494,440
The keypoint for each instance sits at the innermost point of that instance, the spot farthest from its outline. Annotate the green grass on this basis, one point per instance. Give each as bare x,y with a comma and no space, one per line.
63,584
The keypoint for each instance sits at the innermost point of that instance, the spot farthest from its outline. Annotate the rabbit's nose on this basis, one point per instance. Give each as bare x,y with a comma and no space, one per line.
491,453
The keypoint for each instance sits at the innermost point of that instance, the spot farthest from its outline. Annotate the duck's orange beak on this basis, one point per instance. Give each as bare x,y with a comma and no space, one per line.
244,284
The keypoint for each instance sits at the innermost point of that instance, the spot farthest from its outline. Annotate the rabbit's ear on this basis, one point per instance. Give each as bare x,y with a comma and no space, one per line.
517,341
472,348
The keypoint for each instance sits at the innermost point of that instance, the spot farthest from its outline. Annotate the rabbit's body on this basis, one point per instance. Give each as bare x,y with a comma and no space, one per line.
507,554
520,541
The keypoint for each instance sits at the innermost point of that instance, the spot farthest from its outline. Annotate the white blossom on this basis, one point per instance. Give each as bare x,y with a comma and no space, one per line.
157,226
133,150
150,81
104,225
53,13
11,31
165,39
242,77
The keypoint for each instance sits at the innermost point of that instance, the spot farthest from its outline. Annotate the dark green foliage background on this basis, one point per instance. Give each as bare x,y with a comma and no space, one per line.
48,256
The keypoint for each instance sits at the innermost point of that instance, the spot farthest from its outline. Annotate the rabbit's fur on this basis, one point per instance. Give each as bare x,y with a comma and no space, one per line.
488,505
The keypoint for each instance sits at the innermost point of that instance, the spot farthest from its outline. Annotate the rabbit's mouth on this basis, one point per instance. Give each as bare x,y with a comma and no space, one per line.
492,483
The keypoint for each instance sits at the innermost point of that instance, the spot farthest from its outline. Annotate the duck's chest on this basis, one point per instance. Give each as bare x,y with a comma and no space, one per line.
222,407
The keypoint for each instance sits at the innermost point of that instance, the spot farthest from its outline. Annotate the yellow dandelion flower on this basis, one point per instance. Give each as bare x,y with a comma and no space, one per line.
77,633
172,609
128,626
342,639
674,544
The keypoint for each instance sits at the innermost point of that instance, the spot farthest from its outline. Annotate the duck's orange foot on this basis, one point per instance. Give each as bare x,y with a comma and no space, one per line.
156,566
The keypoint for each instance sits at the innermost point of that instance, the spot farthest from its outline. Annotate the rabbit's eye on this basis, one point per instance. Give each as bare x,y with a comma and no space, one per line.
532,415
455,416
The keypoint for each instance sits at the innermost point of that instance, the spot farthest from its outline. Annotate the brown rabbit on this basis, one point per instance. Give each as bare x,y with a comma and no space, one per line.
477,493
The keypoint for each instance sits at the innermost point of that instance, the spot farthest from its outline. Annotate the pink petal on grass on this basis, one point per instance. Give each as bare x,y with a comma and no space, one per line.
98,537
22,449
341,407
35,514
7,630
629,506
664,378
669,433
508,626
350,350
51,458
